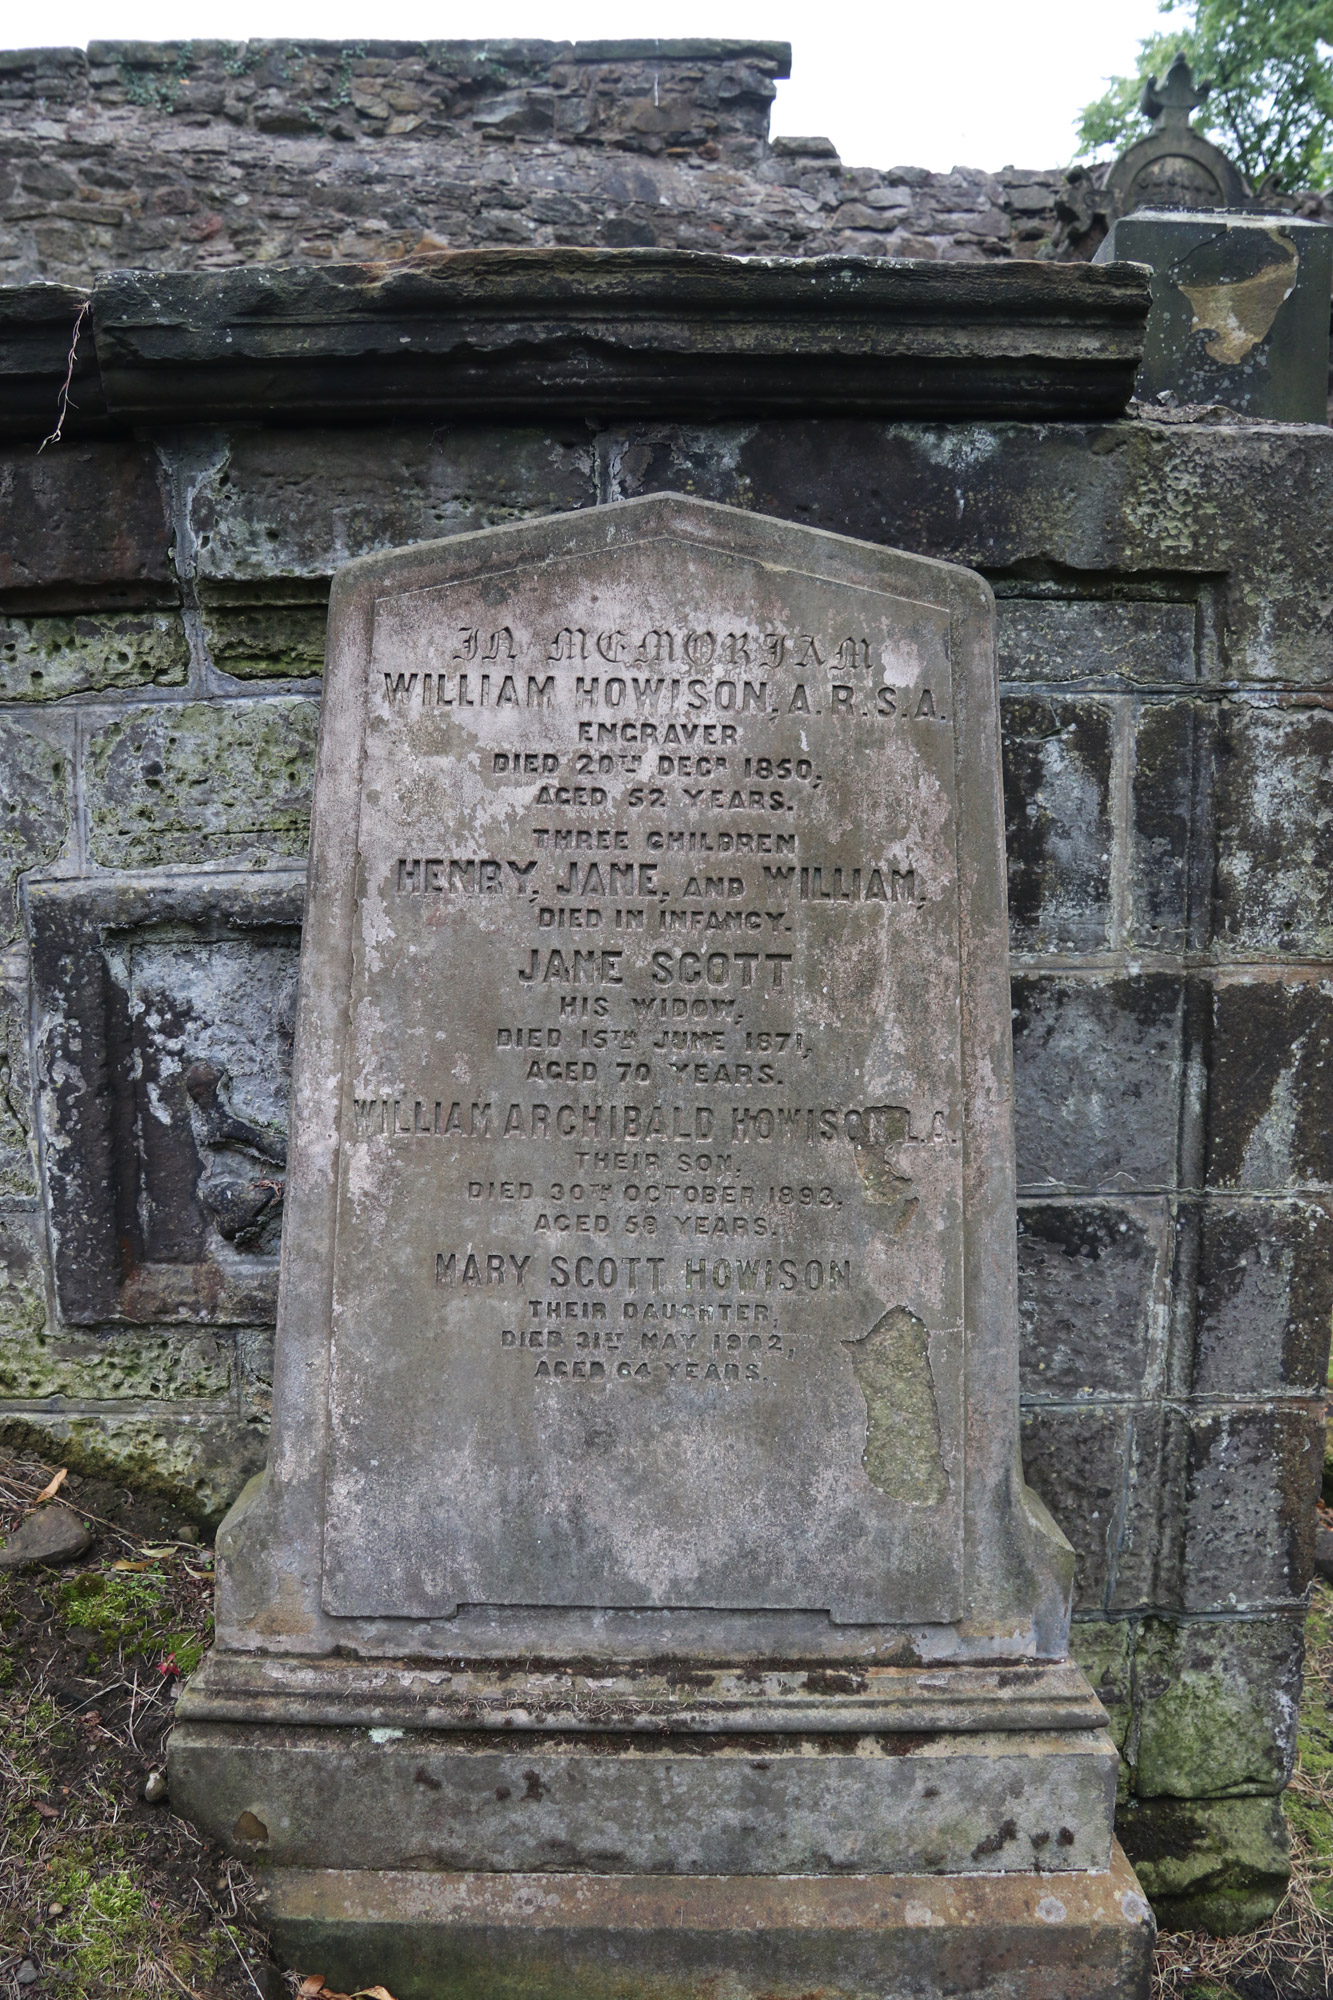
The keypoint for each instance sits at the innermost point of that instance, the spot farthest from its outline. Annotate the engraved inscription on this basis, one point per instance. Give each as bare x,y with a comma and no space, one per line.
656,1094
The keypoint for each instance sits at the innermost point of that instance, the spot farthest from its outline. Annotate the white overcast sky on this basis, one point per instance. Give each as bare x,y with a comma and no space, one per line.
931,83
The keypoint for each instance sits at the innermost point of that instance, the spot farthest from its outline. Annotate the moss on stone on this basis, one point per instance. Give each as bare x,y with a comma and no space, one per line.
1219,1865
1215,1706
198,1462
203,781
35,810
42,659
22,1280
18,1169
266,641
130,1365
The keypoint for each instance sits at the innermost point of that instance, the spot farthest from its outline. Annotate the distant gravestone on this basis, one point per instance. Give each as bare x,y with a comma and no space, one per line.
647,1355
1173,166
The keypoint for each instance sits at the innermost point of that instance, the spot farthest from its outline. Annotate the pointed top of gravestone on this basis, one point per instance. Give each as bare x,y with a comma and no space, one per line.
1169,104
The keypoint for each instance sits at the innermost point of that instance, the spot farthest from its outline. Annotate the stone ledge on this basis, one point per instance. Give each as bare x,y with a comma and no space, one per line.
551,1937
585,333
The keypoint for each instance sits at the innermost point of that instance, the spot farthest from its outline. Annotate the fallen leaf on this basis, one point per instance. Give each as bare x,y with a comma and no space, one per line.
156,1549
47,1812
49,1492
137,1567
372,1993
312,1983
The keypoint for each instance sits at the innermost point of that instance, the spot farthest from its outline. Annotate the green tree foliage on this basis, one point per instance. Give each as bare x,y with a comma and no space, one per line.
1270,64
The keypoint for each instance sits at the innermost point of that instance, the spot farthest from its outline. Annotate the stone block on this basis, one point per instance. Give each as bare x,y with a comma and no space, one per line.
36,773
22,1281
1215,1706
1058,833
279,504
1168,910
1269,1126
1104,1648
278,635
1246,503
1239,309
1113,643
1274,814
202,782
85,527
554,1936
1252,1478
1265,1294
166,1009
1218,1865
1090,1295
978,1803
18,1152
43,659
197,1460
1097,1081
1075,1460
136,1366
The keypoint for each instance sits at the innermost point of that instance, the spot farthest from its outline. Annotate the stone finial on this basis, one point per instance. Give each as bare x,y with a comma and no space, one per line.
1170,104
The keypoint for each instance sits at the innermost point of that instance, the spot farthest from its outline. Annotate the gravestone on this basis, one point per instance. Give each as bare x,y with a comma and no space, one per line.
1239,310
643,1593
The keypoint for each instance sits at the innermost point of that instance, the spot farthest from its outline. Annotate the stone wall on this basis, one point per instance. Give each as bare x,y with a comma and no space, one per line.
205,155
1166,678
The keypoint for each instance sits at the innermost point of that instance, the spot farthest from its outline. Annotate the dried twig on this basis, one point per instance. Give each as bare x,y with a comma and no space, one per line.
55,436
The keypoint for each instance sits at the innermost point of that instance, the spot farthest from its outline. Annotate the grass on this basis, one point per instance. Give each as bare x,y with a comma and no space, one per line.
101,1893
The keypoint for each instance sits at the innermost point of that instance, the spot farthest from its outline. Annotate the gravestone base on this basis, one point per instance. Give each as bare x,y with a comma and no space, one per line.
434,1936
468,1829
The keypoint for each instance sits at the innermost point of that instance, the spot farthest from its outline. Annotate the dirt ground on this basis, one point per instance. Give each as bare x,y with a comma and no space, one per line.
105,1896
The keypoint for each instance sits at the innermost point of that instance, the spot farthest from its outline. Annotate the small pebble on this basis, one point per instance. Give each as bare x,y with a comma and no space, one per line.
27,1974
187,1534
55,1909
155,1788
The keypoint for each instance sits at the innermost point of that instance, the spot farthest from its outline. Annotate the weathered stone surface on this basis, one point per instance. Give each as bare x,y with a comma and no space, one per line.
1104,1648
42,659
1239,305
893,1408
257,637
1274,891
1091,1284
1249,505
1253,1477
166,1009
1098,1066
1215,1706
1075,1459
198,1460
18,1163
1168,860
1099,642
22,1281
453,1937
50,1534
1265,1295
202,782
136,1366
36,786
1057,778
1219,1865
84,524
957,1803
271,508
1269,1127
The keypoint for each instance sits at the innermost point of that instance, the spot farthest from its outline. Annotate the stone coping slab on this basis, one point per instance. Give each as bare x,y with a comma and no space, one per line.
559,332
550,1937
